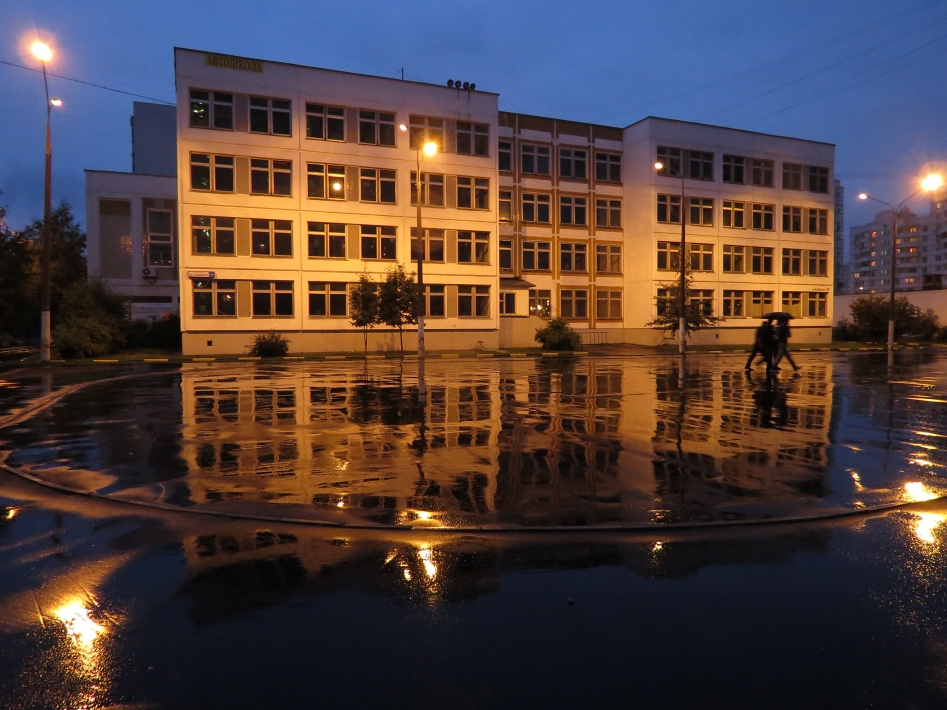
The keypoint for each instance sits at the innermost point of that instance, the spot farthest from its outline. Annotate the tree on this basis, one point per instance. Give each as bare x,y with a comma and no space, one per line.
558,335
16,267
870,320
397,301
363,305
696,314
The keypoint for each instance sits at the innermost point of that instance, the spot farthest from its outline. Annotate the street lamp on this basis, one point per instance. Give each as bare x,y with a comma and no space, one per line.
927,184
43,53
682,326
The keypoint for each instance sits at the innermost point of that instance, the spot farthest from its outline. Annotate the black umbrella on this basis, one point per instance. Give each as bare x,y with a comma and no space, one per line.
778,315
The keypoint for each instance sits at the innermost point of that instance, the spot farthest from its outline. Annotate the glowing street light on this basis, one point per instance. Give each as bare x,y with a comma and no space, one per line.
41,51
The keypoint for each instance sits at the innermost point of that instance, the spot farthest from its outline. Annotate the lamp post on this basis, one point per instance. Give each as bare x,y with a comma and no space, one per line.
928,184
682,326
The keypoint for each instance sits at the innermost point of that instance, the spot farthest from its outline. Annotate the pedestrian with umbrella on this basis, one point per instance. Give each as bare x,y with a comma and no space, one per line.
764,344
782,333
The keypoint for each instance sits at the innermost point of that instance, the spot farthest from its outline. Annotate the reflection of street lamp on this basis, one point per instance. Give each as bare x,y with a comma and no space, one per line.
681,297
43,53
928,184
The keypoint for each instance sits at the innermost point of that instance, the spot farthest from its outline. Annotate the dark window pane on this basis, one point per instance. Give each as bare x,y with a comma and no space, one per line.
369,248
226,303
369,190
386,134
387,248
261,304
282,183
260,182
203,303
261,243
317,245
282,125
337,302
225,241
284,304
259,120
200,177
314,127
283,244
317,304
335,128
366,132
337,246
223,179
202,241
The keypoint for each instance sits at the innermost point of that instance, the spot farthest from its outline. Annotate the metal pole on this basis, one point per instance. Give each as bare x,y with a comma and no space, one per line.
44,326
422,242
894,269
683,322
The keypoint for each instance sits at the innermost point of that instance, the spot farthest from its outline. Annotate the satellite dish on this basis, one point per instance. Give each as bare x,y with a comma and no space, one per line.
473,86
466,84
450,82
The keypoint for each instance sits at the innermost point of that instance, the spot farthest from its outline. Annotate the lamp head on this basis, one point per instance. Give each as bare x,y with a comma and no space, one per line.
41,51
863,196
932,182
659,165
55,102
430,148
403,127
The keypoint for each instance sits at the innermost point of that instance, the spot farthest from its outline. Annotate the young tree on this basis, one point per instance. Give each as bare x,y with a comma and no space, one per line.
870,320
363,305
669,308
16,267
397,301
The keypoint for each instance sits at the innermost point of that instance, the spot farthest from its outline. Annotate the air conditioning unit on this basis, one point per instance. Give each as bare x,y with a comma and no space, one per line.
149,275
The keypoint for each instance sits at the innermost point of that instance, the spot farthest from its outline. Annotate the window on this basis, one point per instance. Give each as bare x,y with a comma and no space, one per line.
432,189
733,259
664,303
573,304
572,210
158,238
818,179
326,182
473,193
792,219
376,128
211,109
818,221
572,163
764,217
540,302
572,257
792,176
763,172
607,167
424,129
432,248
818,263
434,301
701,301
607,305
700,165
670,159
505,156
270,116
473,301
506,254
536,256
212,235
733,214
473,247
326,240
214,298
507,304
792,303
271,177
733,304
212,172
669,254
701,211
270,237
377,185
733,166
702,257
608,213
272,298
816,305
669,209
379,242
792,263
536,208
535,159
608,258
506,206
760,302
325,122
328,299
761,260
473,138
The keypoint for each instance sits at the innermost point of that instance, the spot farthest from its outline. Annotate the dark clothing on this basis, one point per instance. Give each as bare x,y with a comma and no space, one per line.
763,345
782,333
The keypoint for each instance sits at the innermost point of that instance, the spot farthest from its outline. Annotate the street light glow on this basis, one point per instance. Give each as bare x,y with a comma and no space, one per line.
403,127
863,196
932,182
659,166
41,51
55,102
430,148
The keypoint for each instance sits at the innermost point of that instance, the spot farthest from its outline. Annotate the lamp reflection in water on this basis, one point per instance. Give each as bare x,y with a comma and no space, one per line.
927,523
82,629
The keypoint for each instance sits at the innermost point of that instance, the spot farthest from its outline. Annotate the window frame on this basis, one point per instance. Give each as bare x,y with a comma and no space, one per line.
733,169
608,254
328,117
476,245
538,201
575,207
732,212
433,242
333,234
274,170
611,211
385,240
274,289
382,125
330,304
384,182
534,247
762,172
216,292
540,302
611,164
283,112
214,228
478,299
766,213
212,103
763,256
734,254
275,237
573,253
573,161
576,303
734,303
164,240
539,154
610,298
477,141
217,166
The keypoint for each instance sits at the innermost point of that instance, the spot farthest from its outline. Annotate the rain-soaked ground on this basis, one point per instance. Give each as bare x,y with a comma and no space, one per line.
103,604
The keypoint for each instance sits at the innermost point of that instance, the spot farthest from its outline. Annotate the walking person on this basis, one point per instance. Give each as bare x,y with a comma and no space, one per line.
763,345
782,334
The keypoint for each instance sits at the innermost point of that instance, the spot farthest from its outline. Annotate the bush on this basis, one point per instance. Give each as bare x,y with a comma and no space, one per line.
270,344
164,334
95,325
558,335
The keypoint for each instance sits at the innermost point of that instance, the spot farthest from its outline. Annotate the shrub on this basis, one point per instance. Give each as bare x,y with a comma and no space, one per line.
164,334
270,344
870,320
95,325
558,335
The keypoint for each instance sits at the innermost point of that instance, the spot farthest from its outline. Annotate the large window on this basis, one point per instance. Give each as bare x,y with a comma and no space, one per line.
607,305
434,301
818,221
608,258
473,193
764,217
535,208
572,211
473,138
701,301
506,206
607,167
817,263
211,109
505,156
425,129
506,254
669,209
534,159
540,302
733,259
762,172
270,116
792,176
734,214
574,304
431,248
761,260
379,242
432,189
700,165
760,302
325,122
816,305
214,298
818,179
325,182
608,213
670,159
572,163
377,185
473,247
572,257
792,219
271,177
269,237
272,298
697,165
792,262
375,128
702,257
536,256
212,235
473,301
326,240
158,238
733,304
507,304
669,256
328,299
212,172
700,211
792,303
734,169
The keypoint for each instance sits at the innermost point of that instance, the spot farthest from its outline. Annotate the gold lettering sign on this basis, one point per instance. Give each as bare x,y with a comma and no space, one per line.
225,62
